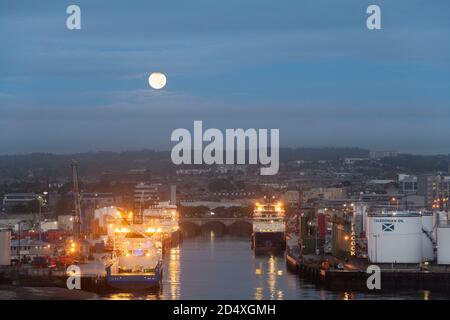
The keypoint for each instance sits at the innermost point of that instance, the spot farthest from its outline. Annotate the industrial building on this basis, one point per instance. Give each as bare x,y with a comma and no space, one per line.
5,247
145,194
435,189
31,248
97,200
12,199
325,194
407,183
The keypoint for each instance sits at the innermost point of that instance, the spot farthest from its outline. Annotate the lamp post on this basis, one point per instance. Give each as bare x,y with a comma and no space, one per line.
18,247
41,200
19,243
316,242
376,246
395,201
40,217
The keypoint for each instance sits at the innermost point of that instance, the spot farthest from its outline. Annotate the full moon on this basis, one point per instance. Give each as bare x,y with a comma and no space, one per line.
157,80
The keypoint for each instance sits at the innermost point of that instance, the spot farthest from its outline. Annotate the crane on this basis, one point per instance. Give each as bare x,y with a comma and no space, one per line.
76,190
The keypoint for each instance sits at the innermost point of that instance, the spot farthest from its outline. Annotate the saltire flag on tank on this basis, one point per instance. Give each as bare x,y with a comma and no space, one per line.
387,227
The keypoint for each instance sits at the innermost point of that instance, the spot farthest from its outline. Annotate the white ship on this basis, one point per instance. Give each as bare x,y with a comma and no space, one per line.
136,261
269,227
162,217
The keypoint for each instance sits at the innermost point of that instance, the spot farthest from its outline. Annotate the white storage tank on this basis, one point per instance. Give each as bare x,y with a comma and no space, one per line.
441,218
443,244
428,236
5,247
394,237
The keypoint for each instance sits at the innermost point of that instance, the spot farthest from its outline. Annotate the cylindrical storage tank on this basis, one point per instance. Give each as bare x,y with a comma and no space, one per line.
428,237
440,218
5,247
443,248
394,237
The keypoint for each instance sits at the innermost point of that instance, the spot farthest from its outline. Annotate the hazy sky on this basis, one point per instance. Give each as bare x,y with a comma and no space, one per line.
310,68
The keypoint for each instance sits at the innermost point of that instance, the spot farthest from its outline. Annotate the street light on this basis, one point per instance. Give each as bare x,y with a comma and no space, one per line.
40,217
18,226
41,200
395,201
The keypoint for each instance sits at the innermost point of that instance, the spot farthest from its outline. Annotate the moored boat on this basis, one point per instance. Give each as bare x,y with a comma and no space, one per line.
269,227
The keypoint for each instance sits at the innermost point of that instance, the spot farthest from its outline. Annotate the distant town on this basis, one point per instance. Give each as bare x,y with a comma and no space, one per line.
326,177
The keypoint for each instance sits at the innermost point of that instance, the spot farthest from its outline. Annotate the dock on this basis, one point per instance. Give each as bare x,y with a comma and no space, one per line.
354,276
47,277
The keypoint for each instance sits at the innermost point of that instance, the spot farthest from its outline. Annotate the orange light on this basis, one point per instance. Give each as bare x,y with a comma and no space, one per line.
346,238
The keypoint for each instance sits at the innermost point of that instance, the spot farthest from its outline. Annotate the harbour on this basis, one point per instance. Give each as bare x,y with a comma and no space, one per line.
246,155
279,245
201,268
224,267
146,255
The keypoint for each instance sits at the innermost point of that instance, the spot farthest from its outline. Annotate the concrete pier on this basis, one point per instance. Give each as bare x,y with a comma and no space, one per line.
354,276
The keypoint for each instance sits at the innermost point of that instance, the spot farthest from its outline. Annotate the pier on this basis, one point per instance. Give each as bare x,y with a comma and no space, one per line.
354,276
47,277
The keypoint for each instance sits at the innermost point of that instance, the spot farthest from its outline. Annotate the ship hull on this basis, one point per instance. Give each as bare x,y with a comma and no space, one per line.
135,282
269,241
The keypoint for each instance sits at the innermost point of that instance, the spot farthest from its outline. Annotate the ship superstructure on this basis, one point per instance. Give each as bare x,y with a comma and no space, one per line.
136,261
161,217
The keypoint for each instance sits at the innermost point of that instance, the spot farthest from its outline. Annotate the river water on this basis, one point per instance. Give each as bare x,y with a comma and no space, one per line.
225,267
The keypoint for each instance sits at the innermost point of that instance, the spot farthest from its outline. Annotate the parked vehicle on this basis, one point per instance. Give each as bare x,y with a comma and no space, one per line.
39,262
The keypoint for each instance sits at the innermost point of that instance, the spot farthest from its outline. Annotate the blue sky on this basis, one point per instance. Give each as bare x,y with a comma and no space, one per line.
310,68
